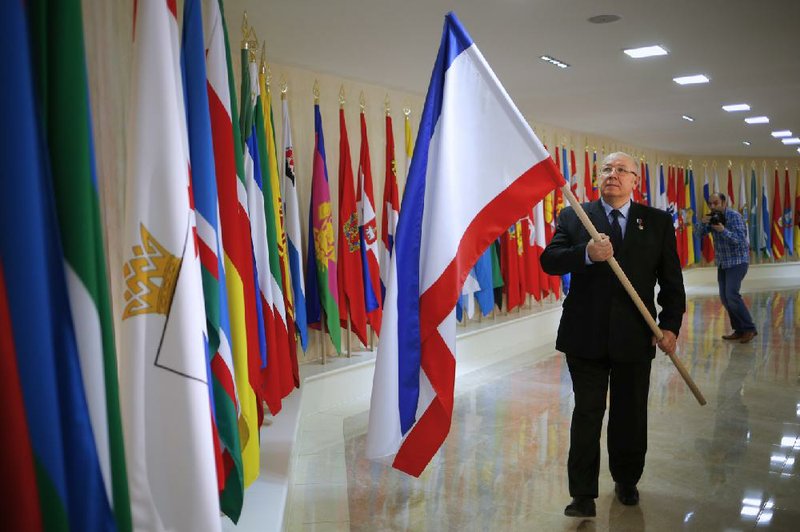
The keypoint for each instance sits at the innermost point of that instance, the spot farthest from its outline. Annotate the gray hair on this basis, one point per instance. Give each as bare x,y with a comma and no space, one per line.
621,154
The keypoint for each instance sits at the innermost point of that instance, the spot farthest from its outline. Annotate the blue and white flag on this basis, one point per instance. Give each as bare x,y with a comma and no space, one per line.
765,243
477,168
483,274
661,199
293,239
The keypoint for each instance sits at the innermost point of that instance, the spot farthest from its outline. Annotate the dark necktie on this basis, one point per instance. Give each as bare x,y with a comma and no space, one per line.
616,231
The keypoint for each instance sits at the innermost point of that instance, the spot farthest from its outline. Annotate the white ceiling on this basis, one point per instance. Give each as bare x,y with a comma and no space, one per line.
749,48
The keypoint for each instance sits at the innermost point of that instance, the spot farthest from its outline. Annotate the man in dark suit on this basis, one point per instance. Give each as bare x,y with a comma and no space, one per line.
602,333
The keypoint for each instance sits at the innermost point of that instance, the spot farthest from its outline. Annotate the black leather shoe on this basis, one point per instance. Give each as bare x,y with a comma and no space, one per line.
747,336
627,494
580,507
735,335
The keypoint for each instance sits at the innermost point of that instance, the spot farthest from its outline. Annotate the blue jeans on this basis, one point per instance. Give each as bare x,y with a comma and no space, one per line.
730,282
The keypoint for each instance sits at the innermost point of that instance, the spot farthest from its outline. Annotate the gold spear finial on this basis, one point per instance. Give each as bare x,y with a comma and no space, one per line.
386,106
362,102
315,91
284,87
342,99
251,44
245,30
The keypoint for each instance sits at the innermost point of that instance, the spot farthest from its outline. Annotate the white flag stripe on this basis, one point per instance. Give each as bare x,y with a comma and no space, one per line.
89,340
163,376
487,137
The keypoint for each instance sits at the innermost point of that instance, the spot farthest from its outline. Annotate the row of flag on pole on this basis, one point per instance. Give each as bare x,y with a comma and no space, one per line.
215,298
773,223
159,429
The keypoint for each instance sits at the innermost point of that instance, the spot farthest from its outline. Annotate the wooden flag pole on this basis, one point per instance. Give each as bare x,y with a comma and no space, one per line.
632,292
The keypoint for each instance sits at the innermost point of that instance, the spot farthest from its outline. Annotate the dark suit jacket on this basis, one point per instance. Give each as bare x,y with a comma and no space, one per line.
599,318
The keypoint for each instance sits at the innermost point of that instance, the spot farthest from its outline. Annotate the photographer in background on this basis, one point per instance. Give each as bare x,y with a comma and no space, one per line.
732,256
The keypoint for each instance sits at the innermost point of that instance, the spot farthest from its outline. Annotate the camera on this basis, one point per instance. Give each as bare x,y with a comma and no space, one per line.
717,218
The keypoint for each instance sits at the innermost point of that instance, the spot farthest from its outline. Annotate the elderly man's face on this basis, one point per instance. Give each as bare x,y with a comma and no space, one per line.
618,179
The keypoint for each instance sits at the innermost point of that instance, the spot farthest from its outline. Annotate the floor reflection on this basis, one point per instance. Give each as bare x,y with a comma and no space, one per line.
729,465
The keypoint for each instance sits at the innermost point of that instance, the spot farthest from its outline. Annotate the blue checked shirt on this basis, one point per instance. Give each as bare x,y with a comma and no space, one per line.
732,245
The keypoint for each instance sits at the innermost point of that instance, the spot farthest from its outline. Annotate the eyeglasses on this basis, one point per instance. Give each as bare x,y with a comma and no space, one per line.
608,170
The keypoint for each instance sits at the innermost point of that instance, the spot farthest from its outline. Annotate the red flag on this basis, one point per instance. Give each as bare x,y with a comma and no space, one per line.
510,266
16,455
573,171
391,207
351,282
558,195
731,200
643,191
683,240
788,235
672,203
532,267
637,191
540,241
587,177
595,185
777,220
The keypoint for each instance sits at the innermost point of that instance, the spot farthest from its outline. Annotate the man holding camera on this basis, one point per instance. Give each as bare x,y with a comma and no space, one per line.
732,256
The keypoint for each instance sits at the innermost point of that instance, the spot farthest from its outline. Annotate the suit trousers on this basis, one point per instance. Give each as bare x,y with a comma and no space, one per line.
629,384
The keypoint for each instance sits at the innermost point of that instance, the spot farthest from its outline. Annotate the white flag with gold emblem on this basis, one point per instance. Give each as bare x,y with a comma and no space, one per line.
163,376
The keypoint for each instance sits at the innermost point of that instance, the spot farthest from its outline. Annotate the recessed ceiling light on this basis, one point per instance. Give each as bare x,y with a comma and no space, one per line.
781,134
746,143
689,80
736,107
645,51
757,120
687,117
793,140
603,19
553,61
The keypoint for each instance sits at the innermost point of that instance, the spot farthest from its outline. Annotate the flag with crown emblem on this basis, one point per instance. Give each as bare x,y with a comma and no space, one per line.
163,374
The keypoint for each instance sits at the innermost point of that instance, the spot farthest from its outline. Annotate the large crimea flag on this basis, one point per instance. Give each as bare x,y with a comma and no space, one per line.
62,75
236,244
322,292
164,380
457,201
215,293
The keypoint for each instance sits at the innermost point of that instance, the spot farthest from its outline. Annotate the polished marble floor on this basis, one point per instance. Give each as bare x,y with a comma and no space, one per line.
729,465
